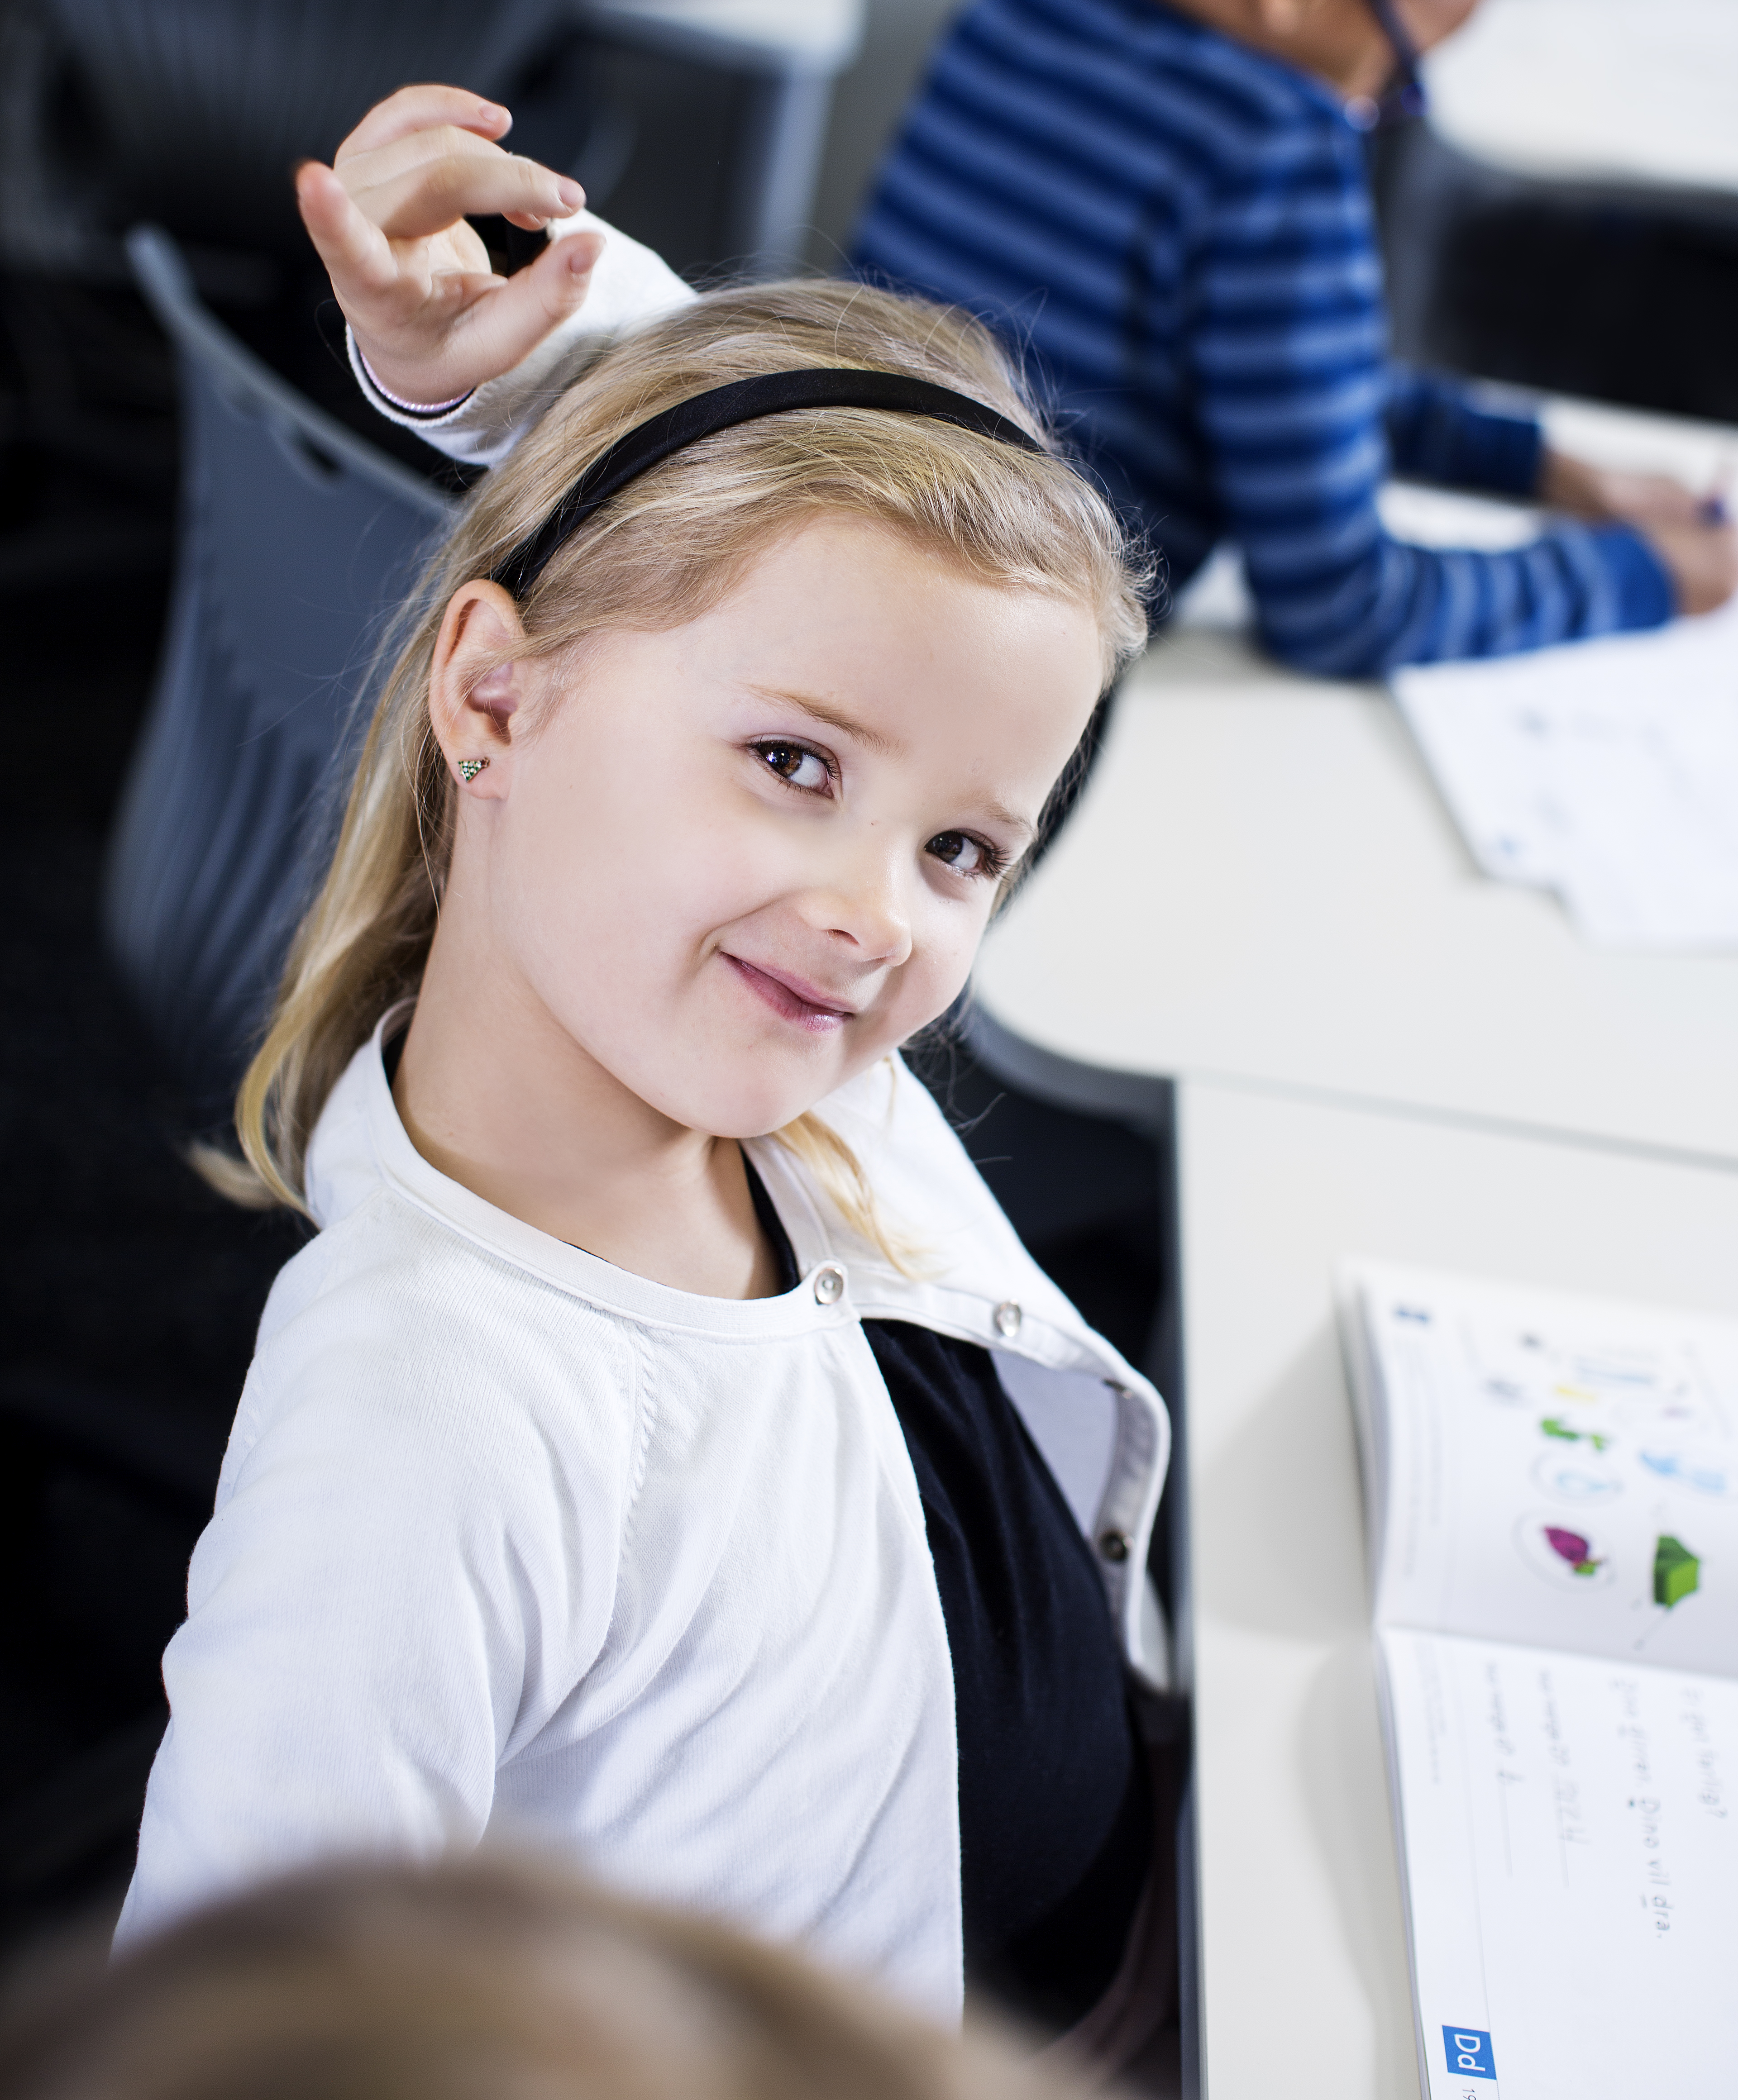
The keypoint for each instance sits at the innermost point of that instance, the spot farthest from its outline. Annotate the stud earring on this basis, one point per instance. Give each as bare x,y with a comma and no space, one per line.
469,768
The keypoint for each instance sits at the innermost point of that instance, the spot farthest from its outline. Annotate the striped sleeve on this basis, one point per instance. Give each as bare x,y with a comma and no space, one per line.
1288,350
1436,434
1178,232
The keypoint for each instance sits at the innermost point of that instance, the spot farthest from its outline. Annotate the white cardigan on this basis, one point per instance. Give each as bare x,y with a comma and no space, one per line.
509,1541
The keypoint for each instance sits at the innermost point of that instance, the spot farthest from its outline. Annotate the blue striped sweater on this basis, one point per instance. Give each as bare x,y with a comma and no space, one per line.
1179,230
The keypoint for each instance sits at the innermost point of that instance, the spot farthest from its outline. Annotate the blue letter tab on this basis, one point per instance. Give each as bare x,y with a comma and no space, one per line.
1469,2052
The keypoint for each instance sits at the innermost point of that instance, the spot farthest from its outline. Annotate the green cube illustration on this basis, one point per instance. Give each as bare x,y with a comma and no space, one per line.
1676,1571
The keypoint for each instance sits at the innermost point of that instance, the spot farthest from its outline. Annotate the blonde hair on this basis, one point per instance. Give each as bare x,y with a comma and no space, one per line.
665,550
486,1979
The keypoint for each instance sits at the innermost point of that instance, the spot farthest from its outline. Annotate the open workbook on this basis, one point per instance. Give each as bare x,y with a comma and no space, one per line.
1551,1490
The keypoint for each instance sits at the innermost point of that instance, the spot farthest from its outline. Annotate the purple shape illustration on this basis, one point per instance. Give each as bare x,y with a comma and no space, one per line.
1573,1555
1570,1545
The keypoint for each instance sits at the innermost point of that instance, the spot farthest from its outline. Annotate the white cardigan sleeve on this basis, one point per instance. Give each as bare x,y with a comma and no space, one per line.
630,286
396,1587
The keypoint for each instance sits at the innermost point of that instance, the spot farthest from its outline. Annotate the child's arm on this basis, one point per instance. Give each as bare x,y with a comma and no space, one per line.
1437,432
1287,369
437,341
388,1588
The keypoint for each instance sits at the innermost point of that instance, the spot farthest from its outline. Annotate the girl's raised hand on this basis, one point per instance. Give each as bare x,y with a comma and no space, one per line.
413,279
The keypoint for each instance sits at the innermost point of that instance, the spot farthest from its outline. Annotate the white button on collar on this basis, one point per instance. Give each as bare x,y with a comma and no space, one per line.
829,1284
1007,1318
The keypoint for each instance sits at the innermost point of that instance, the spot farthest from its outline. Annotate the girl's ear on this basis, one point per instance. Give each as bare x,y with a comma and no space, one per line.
475,687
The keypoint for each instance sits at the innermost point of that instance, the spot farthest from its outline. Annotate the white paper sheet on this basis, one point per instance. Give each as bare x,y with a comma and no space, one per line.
1606,771
1569,1829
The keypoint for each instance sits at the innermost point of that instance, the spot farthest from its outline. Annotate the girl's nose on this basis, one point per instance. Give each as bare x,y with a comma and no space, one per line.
866,904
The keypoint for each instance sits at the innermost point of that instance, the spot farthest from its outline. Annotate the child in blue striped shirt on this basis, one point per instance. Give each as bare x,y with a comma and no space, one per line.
1168,203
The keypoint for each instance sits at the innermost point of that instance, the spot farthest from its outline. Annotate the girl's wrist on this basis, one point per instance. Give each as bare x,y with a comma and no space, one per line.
399,401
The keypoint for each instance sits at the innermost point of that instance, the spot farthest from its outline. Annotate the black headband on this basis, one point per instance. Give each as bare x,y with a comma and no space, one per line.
721,408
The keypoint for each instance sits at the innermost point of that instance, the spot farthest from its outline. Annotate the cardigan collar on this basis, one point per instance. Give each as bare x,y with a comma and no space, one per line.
975,1279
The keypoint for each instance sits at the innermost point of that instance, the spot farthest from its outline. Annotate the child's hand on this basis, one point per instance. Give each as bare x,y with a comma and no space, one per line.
413,279
1702,559
1568,483
1692,534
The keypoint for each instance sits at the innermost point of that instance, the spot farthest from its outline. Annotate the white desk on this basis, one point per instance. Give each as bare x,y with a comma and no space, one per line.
1304,1963
1260,885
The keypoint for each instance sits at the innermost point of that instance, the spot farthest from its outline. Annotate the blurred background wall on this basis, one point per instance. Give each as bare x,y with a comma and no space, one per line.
871,95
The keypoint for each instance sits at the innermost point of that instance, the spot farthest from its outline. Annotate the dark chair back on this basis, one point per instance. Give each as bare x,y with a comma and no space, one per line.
296,542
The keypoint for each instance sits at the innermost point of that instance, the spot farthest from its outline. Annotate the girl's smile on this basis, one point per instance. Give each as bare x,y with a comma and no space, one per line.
790,996
712,872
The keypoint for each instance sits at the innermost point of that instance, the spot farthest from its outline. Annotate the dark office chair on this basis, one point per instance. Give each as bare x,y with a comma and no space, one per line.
698,132
190,114
1619,291
696,129
296,539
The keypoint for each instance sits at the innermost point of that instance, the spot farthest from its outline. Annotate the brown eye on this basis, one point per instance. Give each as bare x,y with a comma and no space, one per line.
795,763
963,853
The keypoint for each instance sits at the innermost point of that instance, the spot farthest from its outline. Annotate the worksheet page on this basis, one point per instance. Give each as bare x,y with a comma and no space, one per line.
1604,770
1556,1470
1569,1831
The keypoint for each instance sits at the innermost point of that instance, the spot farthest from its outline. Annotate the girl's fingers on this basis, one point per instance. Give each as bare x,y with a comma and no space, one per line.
379,294
413,277
355,251
423,109
432,359
512,318
489,325
409,197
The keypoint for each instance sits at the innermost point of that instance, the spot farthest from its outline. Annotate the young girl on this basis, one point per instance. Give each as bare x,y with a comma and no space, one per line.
644,1460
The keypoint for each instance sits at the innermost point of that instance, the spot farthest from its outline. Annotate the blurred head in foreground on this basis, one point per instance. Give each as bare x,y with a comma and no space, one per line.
485,1979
